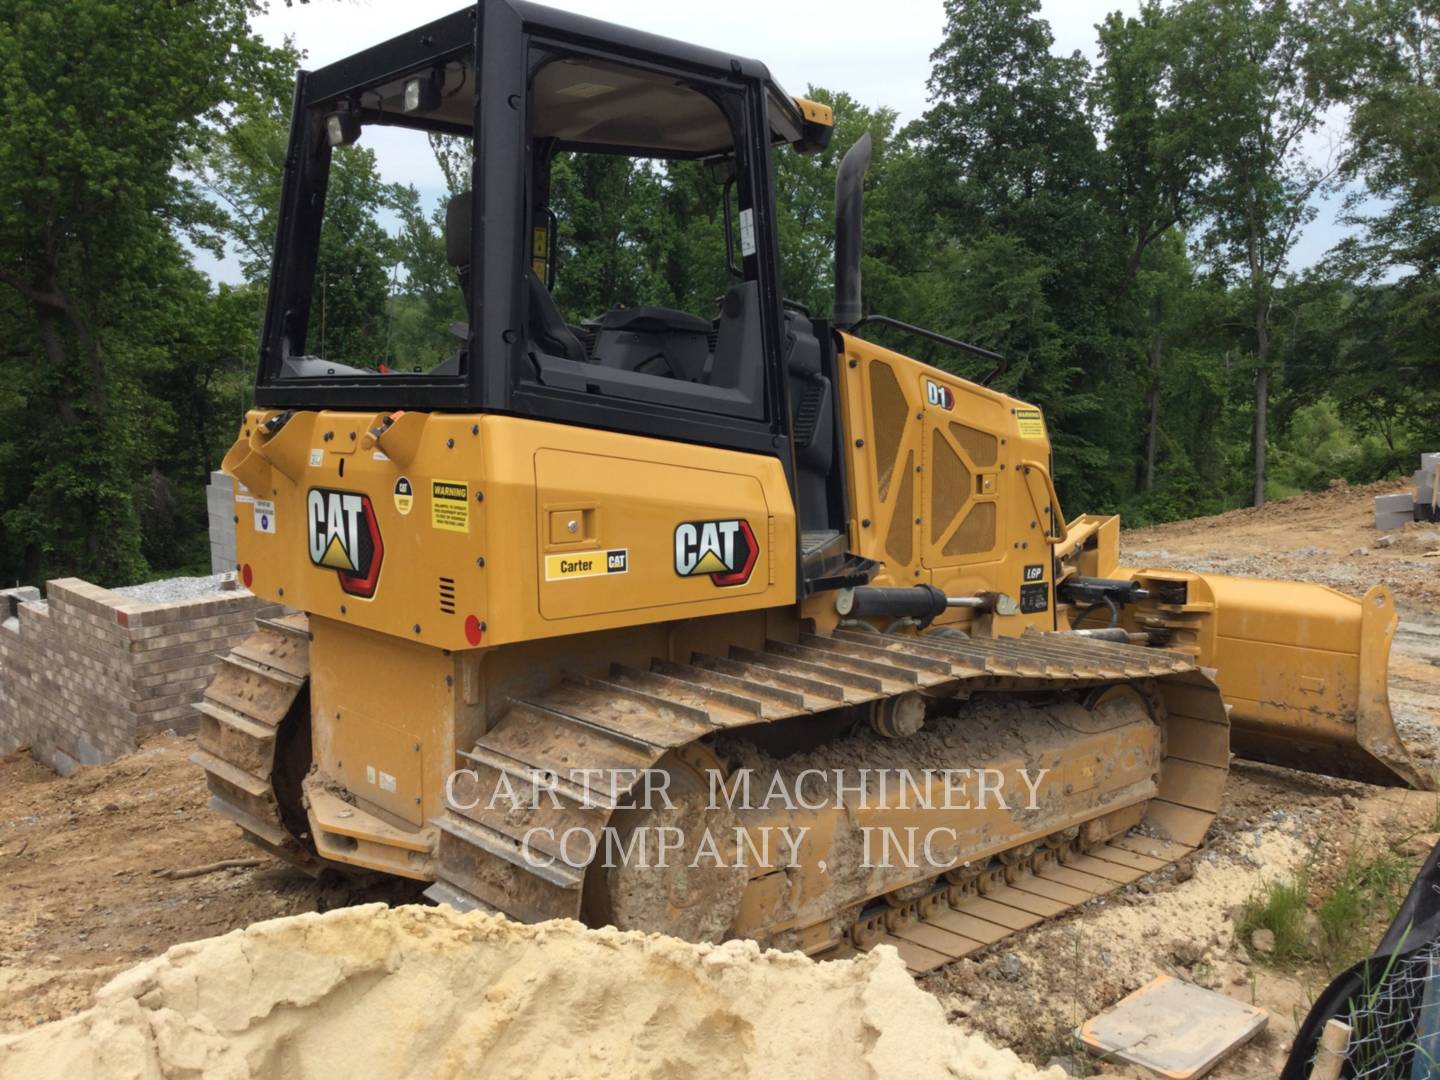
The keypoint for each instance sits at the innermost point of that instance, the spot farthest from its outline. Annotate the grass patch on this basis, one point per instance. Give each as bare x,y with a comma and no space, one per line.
1280,908
1367,894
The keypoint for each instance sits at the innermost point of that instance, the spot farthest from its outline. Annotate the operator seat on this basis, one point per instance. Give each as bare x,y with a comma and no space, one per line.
546,330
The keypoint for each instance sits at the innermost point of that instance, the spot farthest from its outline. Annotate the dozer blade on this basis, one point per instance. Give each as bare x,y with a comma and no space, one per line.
1303,667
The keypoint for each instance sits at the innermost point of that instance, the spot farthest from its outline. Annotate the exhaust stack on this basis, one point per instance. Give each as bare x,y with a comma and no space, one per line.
849,219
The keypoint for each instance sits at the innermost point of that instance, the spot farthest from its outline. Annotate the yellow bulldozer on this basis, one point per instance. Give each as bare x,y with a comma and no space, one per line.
727,623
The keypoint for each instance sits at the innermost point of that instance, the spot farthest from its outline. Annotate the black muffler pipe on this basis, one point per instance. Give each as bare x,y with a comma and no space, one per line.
849,219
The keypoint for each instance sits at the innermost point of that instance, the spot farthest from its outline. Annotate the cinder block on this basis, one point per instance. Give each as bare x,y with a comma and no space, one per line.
221,506
1396,520
1394,504
11,599
1429,463
90,755
60,761
1424,488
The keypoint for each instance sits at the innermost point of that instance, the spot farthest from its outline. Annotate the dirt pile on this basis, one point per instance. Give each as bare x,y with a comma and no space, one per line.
1327,537
425,992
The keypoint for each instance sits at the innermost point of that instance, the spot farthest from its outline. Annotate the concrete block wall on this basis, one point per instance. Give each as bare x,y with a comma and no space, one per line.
220,501
87,673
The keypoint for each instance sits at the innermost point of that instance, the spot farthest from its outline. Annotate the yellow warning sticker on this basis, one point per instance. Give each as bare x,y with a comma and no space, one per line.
1032,426
581,564
450,505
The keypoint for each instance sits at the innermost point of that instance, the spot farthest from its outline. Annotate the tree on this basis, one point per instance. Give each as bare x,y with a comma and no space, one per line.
1267,99
99,104
998,195
1151,93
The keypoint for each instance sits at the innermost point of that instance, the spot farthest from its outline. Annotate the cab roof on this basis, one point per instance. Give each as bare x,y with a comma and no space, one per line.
680,125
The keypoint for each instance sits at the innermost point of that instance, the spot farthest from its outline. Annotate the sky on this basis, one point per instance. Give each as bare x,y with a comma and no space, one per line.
878,52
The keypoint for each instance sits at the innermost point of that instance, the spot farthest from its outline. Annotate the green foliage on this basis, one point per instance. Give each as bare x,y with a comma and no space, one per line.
1361,903
100,103
1319,447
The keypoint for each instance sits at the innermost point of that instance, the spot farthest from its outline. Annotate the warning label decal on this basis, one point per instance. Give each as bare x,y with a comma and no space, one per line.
1032,426
450,505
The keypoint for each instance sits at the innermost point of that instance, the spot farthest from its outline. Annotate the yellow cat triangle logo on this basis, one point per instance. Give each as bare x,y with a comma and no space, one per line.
335,556
710,564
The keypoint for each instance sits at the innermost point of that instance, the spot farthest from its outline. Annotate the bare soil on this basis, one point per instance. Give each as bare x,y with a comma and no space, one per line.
80,893
1327,537
81,897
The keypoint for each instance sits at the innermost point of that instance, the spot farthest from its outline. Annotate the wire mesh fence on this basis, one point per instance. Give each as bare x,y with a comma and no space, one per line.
1395,1019
1390,1002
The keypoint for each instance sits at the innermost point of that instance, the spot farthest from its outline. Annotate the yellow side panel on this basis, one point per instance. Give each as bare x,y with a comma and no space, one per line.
621,555
936,492
472,522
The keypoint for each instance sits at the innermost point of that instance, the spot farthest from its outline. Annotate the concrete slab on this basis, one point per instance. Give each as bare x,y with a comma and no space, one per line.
1173,1028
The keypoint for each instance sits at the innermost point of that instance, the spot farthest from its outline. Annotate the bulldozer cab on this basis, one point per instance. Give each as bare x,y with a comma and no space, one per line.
513,96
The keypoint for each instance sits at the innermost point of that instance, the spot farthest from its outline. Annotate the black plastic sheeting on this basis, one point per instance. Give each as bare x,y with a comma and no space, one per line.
1415,928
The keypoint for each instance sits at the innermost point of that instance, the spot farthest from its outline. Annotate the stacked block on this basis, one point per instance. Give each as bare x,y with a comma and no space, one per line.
220,500
1394,511
1427,506
86,673
1397,511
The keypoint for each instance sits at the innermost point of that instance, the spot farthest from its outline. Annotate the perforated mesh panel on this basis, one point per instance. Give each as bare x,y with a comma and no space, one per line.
900,540
888,411
976,534
980,447
949,485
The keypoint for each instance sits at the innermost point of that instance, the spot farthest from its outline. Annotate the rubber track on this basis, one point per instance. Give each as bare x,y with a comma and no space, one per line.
240,715
632,718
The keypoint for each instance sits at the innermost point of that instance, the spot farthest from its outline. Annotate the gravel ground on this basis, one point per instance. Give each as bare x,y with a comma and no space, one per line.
173,590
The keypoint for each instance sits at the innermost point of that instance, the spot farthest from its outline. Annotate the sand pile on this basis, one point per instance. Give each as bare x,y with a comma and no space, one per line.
425,992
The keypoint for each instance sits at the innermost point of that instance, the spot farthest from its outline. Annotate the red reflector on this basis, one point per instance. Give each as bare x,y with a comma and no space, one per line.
474,630
247,575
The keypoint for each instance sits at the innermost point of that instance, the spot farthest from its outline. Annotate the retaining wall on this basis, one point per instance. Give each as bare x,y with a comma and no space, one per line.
86,673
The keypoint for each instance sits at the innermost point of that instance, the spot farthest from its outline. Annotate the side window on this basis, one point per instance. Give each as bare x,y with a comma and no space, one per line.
642,282
366,287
